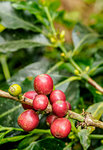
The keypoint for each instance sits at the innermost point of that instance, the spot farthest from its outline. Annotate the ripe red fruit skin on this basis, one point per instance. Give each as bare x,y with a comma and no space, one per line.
57,95
60,128
40,102
68,105
60,108
43,84
28,120
31,95
50,119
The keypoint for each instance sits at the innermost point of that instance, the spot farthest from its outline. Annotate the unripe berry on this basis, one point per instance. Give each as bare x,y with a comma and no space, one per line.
28,120
68,105
57,95
43,84
50,119
40,102
31,95
15,90
60,128
60,108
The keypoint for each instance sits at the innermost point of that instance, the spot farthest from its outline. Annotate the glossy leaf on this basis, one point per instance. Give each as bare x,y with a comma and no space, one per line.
34,8
11,46
84,138
25,142
83,35
10,19
73,94
96,110
48,144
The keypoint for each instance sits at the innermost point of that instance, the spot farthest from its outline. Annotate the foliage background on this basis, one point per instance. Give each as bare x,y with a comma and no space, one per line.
25,52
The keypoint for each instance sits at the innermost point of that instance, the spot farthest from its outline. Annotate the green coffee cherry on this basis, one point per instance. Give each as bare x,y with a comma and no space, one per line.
15,90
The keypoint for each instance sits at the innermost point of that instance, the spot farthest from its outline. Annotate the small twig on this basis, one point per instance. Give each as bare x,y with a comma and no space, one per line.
23,99
90,121
87,120
75,116
95,85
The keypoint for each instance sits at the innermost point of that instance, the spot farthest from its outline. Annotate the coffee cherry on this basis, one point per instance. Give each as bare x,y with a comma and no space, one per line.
43,84
50,119
60,128
25,106
28,120
68,105
59,108
40,102
57,95
15,90
31,95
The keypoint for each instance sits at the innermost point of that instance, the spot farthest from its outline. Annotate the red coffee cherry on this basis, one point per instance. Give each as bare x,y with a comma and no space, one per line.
40,102
43,84
68,105
28,120
31,95
50,119
57,95
60,108
60,128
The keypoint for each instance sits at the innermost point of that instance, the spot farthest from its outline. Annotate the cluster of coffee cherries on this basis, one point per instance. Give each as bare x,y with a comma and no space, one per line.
43,95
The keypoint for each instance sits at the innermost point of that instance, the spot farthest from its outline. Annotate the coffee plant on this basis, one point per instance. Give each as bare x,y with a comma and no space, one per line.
51,88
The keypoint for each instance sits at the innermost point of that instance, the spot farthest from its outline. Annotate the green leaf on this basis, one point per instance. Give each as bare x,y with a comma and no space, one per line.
12,139
11,46
10,19
47,144
73,94
96,110
25,142
31,70
97,66
97,96
33,8
37,9
84,138
83,35
99,148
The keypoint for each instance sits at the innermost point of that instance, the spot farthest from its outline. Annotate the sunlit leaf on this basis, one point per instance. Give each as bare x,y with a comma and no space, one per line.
96,110
84,138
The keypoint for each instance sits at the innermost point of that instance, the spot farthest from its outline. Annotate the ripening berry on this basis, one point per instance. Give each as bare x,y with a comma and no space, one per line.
28,120
60,108
31,95
43,84
15,90
57,95
50,119
68,105
60,128
40,102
